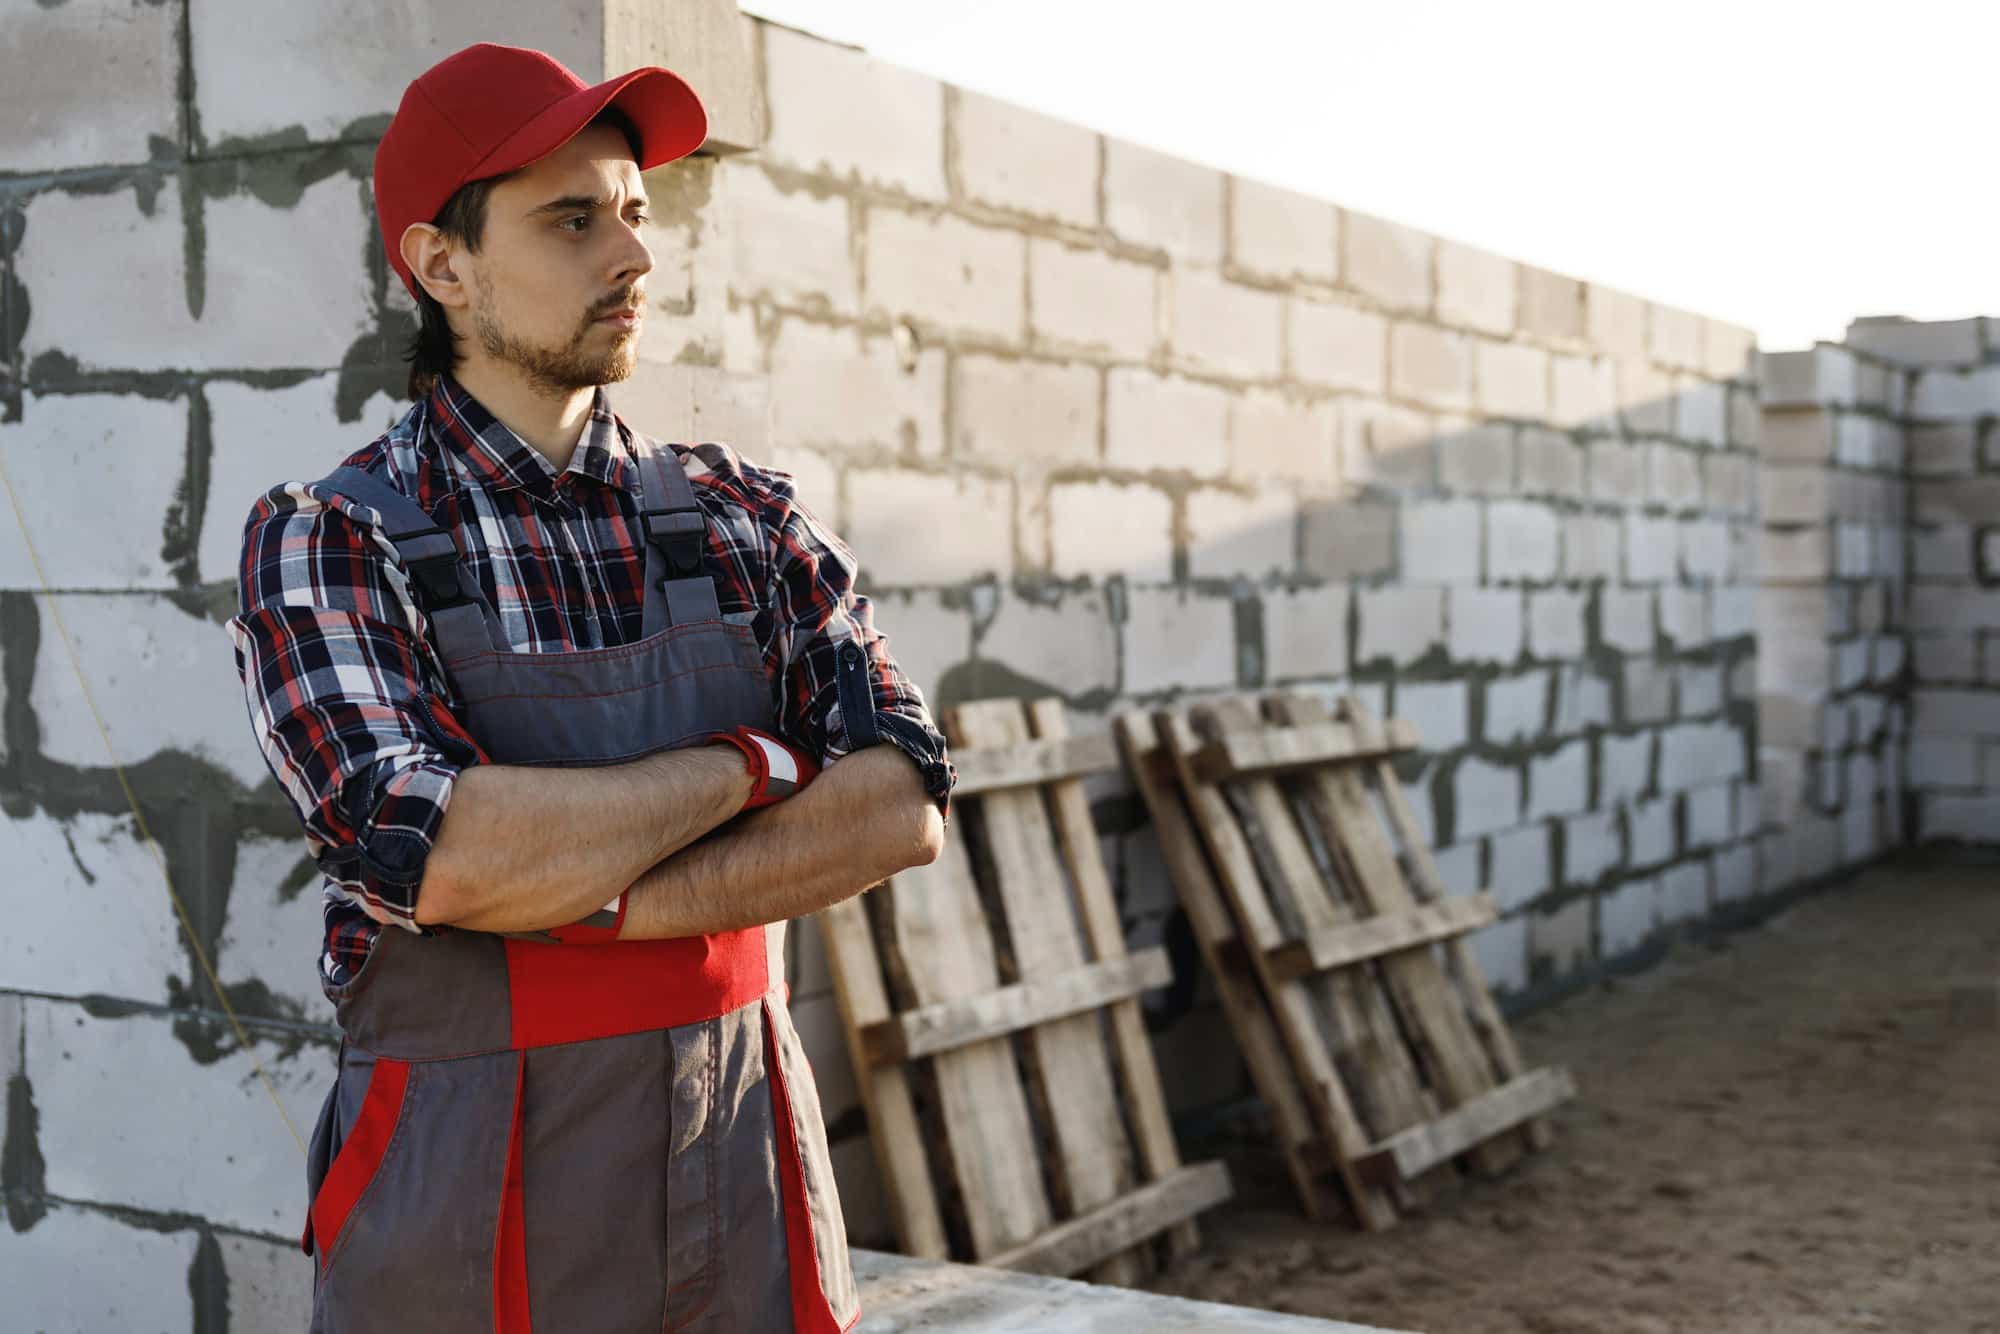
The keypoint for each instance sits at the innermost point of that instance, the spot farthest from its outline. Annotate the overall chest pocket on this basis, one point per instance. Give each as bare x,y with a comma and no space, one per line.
606,706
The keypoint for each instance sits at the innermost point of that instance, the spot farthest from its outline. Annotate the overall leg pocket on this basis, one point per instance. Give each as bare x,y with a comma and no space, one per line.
348,1164
408,1234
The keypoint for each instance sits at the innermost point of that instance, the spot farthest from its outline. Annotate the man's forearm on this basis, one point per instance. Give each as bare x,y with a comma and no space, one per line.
525,849
862,820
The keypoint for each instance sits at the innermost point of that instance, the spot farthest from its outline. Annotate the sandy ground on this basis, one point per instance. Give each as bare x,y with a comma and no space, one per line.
1795,1128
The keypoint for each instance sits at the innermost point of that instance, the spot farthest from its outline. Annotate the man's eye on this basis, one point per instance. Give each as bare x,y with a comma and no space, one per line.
642,217
583,218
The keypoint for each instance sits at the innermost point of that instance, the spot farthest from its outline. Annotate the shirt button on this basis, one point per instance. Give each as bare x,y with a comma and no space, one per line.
850,654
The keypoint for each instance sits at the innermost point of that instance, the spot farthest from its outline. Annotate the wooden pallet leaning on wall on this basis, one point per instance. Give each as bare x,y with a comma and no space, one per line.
1343,964
992,1013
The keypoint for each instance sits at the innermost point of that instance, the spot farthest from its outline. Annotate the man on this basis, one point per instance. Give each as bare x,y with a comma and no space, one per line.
569,1095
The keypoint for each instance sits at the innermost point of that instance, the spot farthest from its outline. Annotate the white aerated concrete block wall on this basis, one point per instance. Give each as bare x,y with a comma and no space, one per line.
1100,423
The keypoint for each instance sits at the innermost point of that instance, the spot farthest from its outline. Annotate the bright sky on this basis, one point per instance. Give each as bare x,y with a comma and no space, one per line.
1782,165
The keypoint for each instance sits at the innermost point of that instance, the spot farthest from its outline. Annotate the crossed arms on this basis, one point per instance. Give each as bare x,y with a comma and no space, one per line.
335,667
517,852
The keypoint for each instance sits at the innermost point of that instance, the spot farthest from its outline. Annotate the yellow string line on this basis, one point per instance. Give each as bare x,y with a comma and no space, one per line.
138,815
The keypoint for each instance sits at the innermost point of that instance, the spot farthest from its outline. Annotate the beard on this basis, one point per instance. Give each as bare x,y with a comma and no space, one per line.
558,370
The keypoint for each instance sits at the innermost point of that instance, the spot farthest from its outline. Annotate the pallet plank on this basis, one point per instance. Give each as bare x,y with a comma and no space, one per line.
942,945
1333,947
1155,1207
885,1094
1066,1059
1228,963
1492,1114
1145,1096
1254,750
1046,759
931,1029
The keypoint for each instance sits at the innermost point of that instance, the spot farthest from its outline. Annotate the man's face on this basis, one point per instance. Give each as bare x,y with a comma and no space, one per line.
561,251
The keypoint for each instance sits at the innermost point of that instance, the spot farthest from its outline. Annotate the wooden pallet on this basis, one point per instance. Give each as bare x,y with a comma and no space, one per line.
992,1011
1342,963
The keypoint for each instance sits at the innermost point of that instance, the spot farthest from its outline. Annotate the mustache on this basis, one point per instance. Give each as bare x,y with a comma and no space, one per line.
626,300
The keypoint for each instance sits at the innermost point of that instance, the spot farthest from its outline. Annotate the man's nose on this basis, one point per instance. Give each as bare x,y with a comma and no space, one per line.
635,258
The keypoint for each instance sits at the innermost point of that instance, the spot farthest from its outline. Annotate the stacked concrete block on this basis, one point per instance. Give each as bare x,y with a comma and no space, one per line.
1832,595
1953,608
1881,492
837,113
1879,526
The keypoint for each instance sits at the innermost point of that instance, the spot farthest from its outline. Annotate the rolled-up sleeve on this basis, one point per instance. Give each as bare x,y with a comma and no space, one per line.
841,690
350,719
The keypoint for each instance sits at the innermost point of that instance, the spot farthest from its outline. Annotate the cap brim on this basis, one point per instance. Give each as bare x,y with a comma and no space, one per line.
670,118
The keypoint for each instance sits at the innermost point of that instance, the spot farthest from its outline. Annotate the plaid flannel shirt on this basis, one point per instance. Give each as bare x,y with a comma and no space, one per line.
341,673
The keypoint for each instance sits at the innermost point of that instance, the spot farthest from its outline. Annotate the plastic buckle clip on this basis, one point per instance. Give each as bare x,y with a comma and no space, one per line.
679,534
438,578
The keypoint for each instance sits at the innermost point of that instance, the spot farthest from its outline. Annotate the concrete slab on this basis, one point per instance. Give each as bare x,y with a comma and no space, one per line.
900,1295
137,649
137,1276
100,920
89,83
103,1145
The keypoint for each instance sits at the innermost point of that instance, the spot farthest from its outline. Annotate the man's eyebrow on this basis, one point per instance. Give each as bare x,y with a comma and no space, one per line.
582,204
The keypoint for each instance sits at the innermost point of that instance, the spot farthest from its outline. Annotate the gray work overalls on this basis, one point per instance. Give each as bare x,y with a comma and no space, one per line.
576,1138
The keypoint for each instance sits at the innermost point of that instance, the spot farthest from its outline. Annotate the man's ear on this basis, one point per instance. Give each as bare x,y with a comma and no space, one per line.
428,253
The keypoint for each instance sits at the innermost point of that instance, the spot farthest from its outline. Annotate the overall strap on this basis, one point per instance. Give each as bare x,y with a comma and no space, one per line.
677,592
446,591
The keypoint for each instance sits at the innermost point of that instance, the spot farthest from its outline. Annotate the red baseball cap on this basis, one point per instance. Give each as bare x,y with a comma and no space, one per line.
492,109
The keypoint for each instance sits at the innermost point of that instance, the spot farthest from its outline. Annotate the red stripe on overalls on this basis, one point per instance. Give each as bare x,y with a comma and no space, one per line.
359,1157
510,1242
811,1313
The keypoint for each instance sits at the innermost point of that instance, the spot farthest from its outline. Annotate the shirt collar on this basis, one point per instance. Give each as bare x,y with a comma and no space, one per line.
500,460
